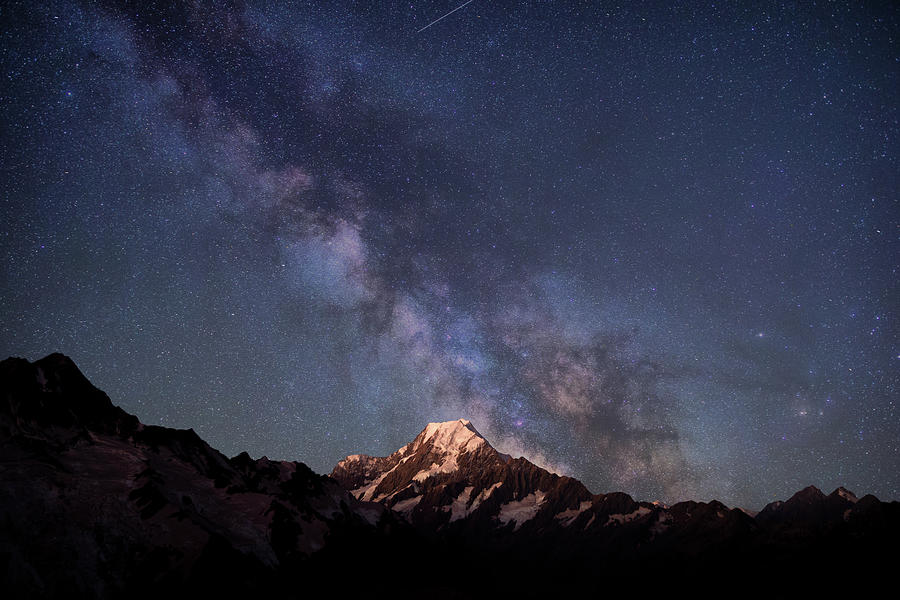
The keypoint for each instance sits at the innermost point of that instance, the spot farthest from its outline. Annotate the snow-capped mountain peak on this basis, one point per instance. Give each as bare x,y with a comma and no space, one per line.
435,451
450,436
450,473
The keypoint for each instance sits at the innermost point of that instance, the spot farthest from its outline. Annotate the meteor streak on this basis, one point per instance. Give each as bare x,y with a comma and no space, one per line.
445,16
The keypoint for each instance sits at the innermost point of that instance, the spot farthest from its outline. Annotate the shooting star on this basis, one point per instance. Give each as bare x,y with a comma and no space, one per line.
445,16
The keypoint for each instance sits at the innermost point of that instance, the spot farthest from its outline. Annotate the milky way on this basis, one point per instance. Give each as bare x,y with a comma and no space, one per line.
654,247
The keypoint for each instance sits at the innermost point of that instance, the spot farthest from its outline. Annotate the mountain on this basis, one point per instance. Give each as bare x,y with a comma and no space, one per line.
450,474
449,478
95,504
451,483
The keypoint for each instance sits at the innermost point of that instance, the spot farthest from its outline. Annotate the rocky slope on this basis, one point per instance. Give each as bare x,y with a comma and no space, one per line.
95,504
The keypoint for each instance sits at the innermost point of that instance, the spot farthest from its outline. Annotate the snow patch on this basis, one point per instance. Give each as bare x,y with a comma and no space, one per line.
568,516
367,490
403,452
448,465
406,506
484,495
358,458
456,436
386,497
522,510
620,518
460,506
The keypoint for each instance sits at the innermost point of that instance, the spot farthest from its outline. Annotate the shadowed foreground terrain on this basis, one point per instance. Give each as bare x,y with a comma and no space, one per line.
95,504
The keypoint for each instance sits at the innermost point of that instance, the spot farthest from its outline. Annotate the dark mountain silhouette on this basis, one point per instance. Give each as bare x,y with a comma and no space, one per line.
95,504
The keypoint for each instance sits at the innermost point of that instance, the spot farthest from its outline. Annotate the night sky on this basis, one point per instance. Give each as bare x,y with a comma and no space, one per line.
652,246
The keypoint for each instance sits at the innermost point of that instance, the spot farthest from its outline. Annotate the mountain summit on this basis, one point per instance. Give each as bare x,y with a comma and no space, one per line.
437,449
441,448
450,475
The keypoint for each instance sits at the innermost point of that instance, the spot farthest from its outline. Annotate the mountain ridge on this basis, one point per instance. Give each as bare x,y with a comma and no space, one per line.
388,479
156,506
143,510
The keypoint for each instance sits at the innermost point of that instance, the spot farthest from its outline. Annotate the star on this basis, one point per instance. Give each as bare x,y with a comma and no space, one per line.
583,231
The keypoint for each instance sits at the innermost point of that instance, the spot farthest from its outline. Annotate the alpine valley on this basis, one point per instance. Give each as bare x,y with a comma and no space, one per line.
95,504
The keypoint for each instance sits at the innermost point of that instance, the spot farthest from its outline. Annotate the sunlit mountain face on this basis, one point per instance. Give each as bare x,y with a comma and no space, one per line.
97,504
651,248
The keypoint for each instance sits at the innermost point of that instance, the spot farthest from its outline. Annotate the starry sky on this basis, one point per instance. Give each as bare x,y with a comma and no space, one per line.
650,245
